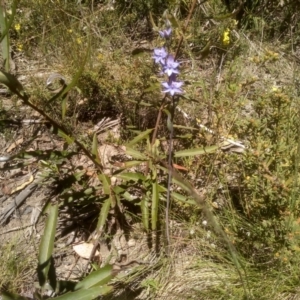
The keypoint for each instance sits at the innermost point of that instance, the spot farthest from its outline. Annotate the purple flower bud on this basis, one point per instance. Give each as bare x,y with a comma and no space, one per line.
166,33
160,55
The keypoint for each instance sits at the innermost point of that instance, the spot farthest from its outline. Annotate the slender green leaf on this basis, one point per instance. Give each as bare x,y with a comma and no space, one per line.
130,176
196,151
145,212
147,104
182,198
155,202
95,149
47,245
128,196
106,182
140,137
86,294
181,184
177,196
118,189
10,21
132,163
67,138
135,154
104,213
100,277
5,40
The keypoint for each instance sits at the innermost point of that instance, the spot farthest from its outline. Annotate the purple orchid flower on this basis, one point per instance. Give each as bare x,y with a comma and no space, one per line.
170,66
160,55
166,33
172,87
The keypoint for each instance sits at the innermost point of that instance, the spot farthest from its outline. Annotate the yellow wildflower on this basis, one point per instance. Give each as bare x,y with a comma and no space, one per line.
20,47
226,38
17,27
79,41
70,30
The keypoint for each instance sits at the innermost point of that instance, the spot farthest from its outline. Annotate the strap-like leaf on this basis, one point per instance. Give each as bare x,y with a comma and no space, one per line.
86,294
104,213
47,245
106,182
145,212
100,277
4,32
155,202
